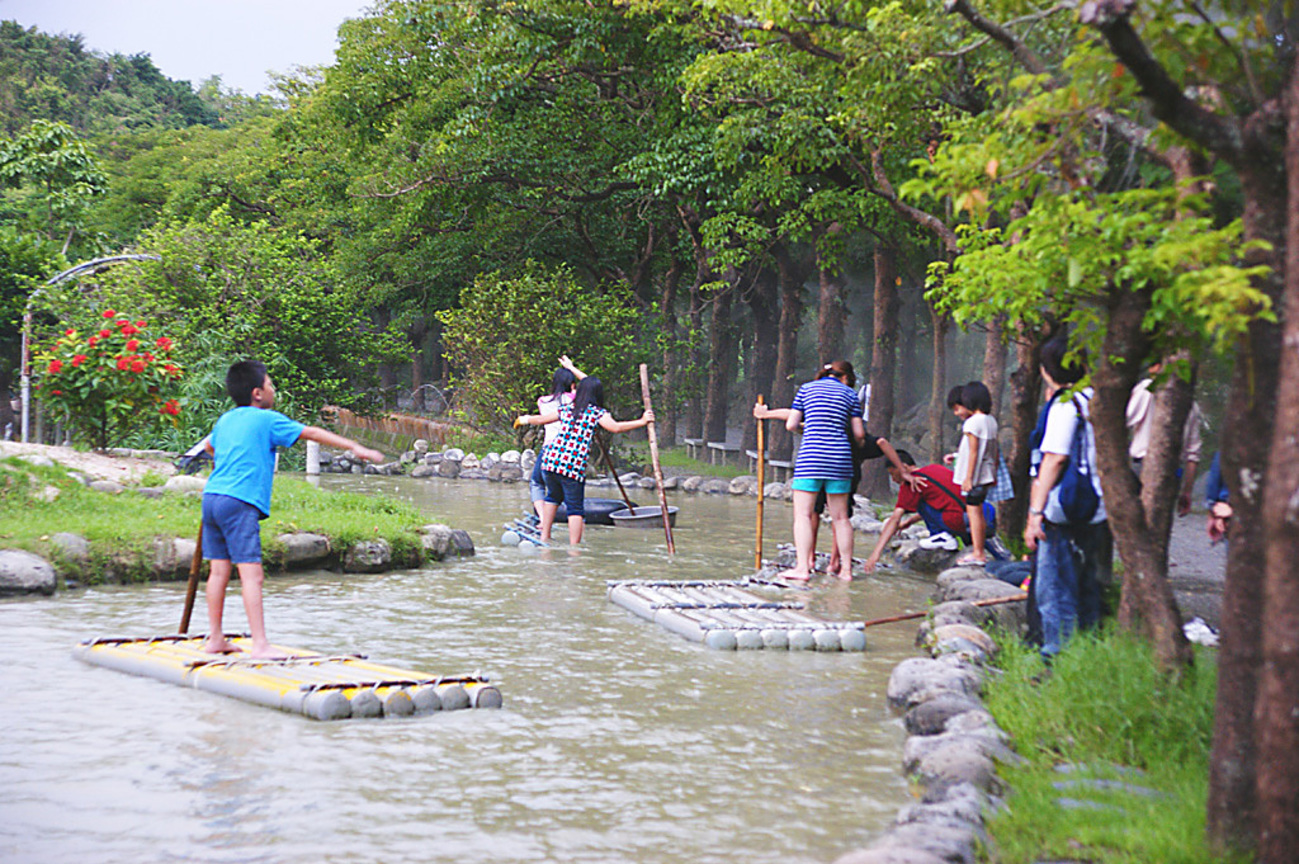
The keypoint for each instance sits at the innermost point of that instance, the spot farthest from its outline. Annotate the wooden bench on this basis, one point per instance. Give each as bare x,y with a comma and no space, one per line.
693,446
780,470
753,460
716,448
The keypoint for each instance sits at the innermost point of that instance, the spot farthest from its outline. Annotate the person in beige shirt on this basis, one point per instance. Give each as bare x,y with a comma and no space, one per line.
1140,419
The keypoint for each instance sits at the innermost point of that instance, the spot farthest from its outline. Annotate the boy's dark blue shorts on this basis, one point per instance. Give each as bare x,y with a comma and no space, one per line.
231,531
567,491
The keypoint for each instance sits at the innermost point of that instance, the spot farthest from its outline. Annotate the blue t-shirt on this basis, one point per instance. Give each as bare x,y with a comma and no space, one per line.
825,454
243,444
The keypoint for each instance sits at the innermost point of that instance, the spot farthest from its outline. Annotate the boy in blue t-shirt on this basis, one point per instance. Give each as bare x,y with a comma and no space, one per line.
238,496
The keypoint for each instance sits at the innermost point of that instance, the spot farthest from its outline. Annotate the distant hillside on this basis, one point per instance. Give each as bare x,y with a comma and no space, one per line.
57,78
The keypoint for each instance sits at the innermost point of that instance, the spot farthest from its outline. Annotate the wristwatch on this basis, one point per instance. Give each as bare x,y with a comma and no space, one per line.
1033,512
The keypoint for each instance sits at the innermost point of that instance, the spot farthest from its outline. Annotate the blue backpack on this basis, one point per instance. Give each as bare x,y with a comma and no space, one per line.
1078,498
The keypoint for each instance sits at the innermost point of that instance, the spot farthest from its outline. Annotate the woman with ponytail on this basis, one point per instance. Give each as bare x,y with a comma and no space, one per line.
563,464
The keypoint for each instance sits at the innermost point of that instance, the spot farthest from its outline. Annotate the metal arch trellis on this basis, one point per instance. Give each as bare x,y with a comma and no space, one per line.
27,322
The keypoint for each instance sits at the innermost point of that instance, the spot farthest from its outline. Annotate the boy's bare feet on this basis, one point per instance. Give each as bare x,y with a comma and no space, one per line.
843,575
213,645
796,576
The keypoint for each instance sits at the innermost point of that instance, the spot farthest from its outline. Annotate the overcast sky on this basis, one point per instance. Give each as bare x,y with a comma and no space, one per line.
191,40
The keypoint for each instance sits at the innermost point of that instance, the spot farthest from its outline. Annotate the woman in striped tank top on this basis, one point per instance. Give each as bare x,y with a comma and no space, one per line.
829,412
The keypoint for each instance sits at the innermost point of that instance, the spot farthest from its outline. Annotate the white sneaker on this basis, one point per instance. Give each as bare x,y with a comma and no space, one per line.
941,540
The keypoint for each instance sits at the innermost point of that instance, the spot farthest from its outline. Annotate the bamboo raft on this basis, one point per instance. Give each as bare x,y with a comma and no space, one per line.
726,617
318,686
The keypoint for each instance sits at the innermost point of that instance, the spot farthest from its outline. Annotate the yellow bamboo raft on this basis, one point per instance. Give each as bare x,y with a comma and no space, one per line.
323,687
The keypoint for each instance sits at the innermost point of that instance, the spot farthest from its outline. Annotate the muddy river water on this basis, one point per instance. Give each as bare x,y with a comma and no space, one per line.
618,740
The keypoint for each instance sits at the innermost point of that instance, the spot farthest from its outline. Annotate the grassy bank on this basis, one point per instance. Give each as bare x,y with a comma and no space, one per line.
37,502
1104,714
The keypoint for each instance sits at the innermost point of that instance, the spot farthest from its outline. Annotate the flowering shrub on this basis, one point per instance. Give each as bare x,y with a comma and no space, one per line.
109,381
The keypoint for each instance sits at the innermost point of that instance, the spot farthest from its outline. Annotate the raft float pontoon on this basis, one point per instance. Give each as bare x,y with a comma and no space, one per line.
318,686
724,616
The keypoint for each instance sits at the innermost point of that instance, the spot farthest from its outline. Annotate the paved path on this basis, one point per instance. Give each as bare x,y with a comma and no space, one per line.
1197,569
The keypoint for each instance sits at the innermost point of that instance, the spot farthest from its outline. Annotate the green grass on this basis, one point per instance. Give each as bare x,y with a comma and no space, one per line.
121,528
675,457
1104,706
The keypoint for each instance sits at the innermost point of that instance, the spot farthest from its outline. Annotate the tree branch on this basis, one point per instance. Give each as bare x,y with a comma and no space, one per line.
877,181
1167,101
1024,55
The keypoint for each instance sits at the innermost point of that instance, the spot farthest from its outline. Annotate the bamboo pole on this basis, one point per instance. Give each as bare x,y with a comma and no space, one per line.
191,588
608,461
911,616
654,458
762,465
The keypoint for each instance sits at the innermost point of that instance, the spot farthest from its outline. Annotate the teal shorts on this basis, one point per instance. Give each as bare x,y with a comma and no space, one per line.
831,487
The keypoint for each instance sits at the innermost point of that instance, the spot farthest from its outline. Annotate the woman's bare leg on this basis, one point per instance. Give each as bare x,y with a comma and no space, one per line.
548,512
837,507
804,534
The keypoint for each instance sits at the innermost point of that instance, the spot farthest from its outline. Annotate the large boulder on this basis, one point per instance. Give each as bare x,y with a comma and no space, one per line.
449,468
172,557
692,483
715,486
185,483
918,679
303,549
73,548
743,485
25,573
367,556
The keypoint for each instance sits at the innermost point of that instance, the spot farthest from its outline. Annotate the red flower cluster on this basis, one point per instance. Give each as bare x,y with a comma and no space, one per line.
171,406
164,343
78,359
56,366
109,313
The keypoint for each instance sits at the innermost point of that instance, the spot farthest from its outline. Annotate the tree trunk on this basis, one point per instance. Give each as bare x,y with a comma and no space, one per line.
994,362
694,418
764,302
884,348
721,363
908,368
1025,389
1277,710
1140,530
418,334
831,309
670,413
1233,819
783,386
938,413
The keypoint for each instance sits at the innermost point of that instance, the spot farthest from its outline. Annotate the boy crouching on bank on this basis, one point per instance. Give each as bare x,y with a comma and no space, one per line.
238,495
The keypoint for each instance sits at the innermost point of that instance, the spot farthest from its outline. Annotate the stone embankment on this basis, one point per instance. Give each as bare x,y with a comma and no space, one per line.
954,745
515,466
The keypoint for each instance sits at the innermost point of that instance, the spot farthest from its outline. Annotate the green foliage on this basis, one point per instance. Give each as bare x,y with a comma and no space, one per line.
56,175
1107,710
511,329
1073,251
261,293
45,77
26,261
103,383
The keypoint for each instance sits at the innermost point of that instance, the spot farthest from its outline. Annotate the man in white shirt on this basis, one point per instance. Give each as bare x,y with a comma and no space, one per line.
1074,560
